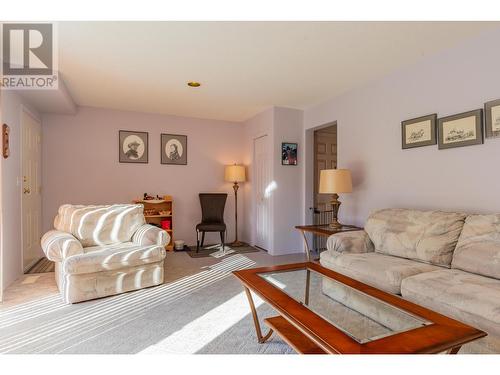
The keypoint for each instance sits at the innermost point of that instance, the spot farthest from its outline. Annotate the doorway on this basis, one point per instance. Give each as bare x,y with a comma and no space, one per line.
31,159
325,157
263,196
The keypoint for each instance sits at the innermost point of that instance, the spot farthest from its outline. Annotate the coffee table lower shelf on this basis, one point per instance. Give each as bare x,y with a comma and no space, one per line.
292,336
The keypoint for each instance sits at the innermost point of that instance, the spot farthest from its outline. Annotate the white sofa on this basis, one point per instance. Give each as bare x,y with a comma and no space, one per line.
104,250
447,262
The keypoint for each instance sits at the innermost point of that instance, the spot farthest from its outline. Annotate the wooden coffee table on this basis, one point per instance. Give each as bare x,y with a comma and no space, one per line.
322,311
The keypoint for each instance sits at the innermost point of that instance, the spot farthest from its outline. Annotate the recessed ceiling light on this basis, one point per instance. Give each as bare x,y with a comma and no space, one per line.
194,84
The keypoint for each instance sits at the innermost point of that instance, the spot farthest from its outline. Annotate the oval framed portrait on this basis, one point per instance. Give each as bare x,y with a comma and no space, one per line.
174,149
133,147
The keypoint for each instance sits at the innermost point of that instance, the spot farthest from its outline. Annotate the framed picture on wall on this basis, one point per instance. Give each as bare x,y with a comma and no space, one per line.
464,129
133,147
418,132
174,149
288,153
5,141
492,123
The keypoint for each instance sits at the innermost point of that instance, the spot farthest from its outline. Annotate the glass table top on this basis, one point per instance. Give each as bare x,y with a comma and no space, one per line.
357,314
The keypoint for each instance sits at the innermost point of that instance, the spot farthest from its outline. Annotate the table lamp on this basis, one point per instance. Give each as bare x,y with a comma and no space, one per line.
335,181
235,174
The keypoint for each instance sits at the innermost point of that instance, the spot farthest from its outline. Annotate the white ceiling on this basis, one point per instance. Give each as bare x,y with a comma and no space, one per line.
244,67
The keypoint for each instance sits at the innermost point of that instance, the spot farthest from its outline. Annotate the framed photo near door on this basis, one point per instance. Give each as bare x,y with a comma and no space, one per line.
492,123
132,147
464,129
288,153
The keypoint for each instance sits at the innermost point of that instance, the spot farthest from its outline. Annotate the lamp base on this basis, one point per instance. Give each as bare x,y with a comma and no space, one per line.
335,211
335,224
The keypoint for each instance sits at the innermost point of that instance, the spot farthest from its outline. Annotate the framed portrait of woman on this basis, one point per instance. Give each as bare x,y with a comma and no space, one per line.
174,149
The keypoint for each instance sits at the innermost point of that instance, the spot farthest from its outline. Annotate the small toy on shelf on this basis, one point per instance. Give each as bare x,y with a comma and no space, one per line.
150,212
148,197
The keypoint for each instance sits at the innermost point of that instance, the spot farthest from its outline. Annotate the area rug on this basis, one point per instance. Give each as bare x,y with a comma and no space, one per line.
215,251
42,266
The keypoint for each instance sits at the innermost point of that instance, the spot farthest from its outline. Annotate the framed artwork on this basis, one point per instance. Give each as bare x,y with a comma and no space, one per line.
464,129
288,153
492,123
418,132
133,147
174,149
5,141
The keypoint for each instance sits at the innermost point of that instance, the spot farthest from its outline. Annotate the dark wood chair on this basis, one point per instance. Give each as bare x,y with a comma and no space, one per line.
212,217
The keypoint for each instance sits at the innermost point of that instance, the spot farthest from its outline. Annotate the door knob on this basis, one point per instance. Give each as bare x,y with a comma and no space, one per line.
27,190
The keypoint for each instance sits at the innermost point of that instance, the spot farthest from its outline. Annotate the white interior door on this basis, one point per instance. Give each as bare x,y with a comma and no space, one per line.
263,187
31,193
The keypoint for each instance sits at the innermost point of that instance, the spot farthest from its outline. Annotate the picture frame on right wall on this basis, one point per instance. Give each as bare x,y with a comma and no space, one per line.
492,118
418,132
463,129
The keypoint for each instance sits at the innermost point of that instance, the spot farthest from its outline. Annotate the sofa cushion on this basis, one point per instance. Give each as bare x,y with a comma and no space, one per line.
113,257
350,242
428,236
100,225
381,271
472,299
478,248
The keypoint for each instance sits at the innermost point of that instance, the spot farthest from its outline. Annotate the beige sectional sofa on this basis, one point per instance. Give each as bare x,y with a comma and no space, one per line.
448,262
104,250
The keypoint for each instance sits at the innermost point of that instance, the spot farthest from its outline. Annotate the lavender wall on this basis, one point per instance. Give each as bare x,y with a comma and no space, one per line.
384,175
288,193
80,164
280,125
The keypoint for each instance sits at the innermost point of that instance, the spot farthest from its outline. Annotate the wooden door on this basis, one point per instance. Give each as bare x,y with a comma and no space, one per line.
31,189
263,192
325,157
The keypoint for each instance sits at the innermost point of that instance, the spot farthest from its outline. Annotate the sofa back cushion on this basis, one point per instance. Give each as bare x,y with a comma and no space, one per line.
478,248
100,225
427,236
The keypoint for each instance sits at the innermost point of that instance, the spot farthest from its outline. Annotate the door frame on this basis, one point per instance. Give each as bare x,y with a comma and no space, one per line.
309,169
21,184
316,176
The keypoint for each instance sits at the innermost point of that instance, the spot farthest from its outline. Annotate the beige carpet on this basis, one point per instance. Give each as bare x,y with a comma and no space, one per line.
200,309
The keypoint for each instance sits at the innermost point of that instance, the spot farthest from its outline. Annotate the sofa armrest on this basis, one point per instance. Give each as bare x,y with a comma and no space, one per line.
151,235
350,242
58,245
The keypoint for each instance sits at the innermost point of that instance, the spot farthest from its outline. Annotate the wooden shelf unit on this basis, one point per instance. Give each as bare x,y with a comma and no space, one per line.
165,204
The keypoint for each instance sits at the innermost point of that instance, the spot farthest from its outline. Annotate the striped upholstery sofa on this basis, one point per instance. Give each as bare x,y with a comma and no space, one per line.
104,250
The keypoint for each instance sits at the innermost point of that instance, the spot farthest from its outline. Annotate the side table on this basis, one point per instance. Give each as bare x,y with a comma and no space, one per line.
322,230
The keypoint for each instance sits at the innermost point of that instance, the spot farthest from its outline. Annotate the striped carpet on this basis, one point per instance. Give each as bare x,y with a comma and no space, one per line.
42,266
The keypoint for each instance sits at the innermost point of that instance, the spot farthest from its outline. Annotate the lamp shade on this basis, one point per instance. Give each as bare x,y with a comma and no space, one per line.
334,181
234,173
